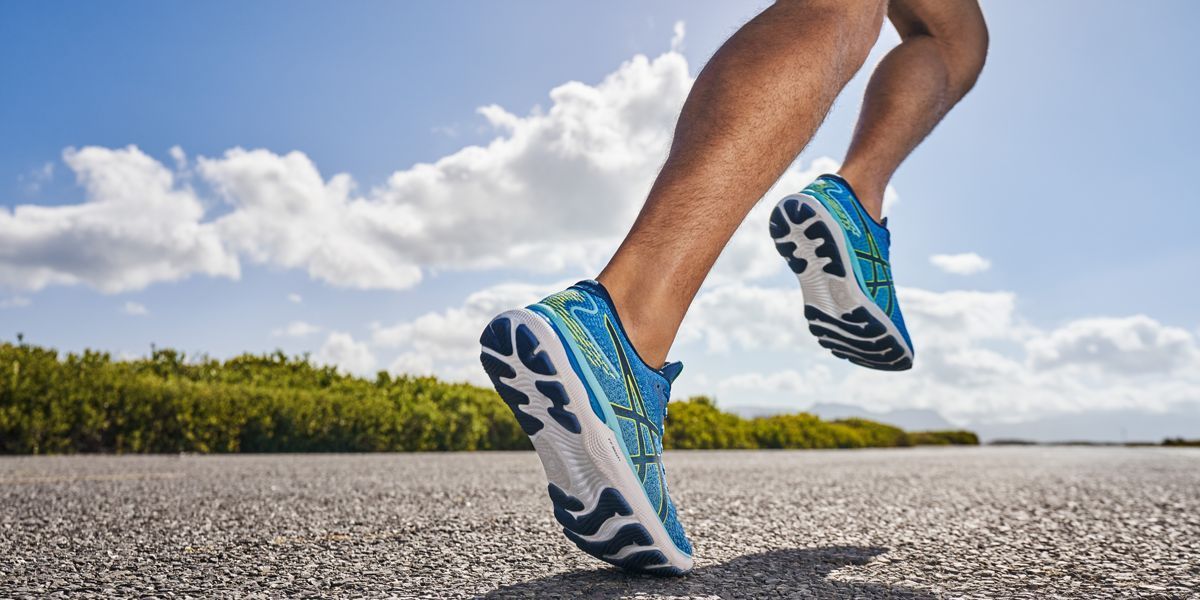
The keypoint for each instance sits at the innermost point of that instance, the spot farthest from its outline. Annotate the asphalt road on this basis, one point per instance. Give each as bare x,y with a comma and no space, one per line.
979,522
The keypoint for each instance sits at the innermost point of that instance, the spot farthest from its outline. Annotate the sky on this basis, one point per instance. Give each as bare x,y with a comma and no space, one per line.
370,182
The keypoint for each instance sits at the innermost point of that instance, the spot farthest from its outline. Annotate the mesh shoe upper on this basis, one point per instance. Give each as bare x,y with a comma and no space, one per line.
636,394
870,240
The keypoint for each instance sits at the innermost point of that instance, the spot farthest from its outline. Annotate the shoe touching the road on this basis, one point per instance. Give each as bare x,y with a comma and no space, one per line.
840,255
594,411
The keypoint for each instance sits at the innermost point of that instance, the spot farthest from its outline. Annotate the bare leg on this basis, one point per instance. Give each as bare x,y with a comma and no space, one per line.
942,52
752,109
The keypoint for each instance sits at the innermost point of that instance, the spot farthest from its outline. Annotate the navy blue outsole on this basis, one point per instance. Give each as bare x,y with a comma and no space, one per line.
797,215
610,504
883,353
498,337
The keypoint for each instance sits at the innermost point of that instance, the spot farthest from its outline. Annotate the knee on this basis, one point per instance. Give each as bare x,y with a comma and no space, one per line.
966,52
957,28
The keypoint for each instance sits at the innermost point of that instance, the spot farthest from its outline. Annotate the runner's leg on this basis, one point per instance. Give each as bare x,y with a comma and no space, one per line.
753,107
943,47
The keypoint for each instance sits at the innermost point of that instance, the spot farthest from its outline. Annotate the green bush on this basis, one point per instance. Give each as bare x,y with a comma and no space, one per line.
698,424
274,403
1181,442
166,403
944,438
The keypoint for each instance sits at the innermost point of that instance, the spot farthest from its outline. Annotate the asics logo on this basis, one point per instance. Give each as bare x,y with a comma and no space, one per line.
847,223
647,456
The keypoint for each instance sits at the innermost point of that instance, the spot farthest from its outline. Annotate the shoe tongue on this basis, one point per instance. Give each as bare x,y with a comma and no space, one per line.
672,370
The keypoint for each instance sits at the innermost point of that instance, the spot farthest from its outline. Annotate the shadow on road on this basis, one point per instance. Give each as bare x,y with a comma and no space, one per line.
788,573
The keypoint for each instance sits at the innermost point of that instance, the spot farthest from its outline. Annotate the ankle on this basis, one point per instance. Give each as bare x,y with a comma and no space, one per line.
642,316
868,190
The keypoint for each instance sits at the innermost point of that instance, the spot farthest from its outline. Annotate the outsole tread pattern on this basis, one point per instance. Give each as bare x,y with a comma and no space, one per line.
881,351
558,395
827,249
612,550
527,350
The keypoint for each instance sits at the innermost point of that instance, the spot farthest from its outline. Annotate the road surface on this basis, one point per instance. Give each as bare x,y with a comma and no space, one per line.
924,523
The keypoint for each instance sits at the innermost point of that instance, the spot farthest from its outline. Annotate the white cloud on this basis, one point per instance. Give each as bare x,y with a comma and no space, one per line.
679,31
180,158
519,200
956,317
735,316
295,298
138,226
1131,345
135,309
15,302
33,180
555,190
810,382
411,363
967,263
285,214
450,131
446,343
342,351
296,329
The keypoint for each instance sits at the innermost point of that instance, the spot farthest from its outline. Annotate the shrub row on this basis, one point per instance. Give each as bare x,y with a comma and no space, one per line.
1181,442
91,403
699,424
274,403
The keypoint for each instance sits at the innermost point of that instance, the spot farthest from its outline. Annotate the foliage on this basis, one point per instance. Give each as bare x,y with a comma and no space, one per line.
944,438
274,403
698,424
1181,442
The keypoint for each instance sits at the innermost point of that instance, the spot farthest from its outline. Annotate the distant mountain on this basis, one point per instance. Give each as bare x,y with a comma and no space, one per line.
1097,426
908,419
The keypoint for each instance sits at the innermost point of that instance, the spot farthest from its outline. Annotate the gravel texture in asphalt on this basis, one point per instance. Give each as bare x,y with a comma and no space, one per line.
924,523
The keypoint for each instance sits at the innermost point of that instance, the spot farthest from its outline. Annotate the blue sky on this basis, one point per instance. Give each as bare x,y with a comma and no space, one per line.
1068,169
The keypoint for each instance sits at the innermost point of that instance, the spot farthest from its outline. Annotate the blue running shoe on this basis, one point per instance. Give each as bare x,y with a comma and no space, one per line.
840,255
594,411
